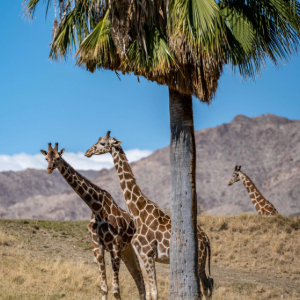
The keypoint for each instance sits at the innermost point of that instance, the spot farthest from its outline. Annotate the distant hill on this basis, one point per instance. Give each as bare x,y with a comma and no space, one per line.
267,147
35,194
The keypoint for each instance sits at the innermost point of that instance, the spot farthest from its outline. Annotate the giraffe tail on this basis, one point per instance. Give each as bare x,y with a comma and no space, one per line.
209,255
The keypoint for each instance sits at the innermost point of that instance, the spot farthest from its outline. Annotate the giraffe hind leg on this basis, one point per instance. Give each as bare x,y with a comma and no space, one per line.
206,283
144,273
131,261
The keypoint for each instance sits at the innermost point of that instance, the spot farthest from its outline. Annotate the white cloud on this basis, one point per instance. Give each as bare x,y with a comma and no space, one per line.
22,161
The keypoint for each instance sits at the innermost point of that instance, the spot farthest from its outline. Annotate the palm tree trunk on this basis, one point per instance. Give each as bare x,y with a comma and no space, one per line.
184,280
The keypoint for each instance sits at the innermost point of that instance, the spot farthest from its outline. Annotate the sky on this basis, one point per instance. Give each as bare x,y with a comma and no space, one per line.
43,101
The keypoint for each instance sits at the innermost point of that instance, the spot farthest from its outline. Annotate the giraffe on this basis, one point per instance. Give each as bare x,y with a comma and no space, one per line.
152,239
262,205
111,227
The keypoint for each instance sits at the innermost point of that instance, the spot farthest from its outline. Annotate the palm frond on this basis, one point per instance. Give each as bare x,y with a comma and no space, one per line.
71,31
98,49
182,43
193,21
264,29
154,57
30,7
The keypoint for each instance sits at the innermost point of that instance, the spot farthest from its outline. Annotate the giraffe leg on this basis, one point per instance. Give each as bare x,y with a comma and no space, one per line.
98,251
130,260
99,254
115,254
206,283
149,264
144,272
201,269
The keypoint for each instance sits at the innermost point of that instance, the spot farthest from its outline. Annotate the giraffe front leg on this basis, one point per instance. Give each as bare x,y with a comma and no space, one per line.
99,254
115,254
98,251
149,264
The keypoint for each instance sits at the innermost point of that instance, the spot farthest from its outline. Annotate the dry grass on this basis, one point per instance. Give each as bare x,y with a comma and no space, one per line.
6,239
29,270
255,242
252,258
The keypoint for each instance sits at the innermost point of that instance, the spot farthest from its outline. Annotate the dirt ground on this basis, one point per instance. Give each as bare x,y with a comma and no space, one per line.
53,260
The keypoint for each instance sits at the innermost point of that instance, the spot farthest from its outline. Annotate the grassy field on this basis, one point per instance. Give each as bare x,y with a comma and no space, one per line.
252,258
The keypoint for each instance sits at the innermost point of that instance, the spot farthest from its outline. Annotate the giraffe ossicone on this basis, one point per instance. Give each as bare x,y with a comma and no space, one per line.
151,241
261,204
111,227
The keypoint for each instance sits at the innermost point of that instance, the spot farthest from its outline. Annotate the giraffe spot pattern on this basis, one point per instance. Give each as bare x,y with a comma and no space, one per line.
88,197
113,236
153,228
80,190
262,206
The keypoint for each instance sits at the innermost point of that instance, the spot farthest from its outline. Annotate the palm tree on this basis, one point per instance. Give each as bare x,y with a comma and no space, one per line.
183,44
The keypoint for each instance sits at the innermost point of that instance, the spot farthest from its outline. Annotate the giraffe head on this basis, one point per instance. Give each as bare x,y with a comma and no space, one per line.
236,175
104,145
53,156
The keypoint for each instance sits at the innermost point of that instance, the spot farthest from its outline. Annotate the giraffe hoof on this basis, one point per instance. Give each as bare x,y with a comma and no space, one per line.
116,293
104,288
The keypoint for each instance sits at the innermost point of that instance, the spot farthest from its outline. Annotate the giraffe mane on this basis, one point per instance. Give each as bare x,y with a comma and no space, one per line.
121,151
247,177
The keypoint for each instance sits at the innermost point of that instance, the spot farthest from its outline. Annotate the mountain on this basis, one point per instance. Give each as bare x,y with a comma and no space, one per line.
35,194
267,147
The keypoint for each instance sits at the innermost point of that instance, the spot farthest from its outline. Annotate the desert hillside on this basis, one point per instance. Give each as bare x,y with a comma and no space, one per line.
252,258
267,147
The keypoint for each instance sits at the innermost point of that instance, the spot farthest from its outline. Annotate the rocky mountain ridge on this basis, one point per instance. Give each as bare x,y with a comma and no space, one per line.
267,147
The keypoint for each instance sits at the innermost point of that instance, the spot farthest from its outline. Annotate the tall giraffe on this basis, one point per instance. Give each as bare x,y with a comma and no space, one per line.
152,239
111,227
262,205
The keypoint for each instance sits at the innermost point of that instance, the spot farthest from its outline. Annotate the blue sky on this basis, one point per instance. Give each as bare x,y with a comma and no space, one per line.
42,101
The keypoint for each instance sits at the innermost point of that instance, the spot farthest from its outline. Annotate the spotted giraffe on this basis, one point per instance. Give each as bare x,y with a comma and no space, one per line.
152,239
262,205
111,227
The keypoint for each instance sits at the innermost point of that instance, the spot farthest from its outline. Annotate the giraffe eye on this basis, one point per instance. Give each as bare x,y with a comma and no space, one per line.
103,144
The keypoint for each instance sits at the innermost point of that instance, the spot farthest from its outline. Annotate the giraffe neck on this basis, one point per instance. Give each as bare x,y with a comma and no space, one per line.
131,191
255,195
91,194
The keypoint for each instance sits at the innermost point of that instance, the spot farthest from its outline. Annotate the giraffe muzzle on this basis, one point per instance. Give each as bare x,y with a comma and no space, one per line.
88,154
49,170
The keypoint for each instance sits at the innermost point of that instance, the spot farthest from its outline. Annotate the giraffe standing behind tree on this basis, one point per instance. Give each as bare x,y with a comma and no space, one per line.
262,205
111,227
152,239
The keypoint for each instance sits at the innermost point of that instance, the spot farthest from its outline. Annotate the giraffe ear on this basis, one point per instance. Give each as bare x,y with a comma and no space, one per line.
61,152
239,168
44,152
117,143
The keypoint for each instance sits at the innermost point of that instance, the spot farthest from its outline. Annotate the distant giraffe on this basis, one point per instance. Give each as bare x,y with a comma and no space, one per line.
111,227
152,239
263,206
